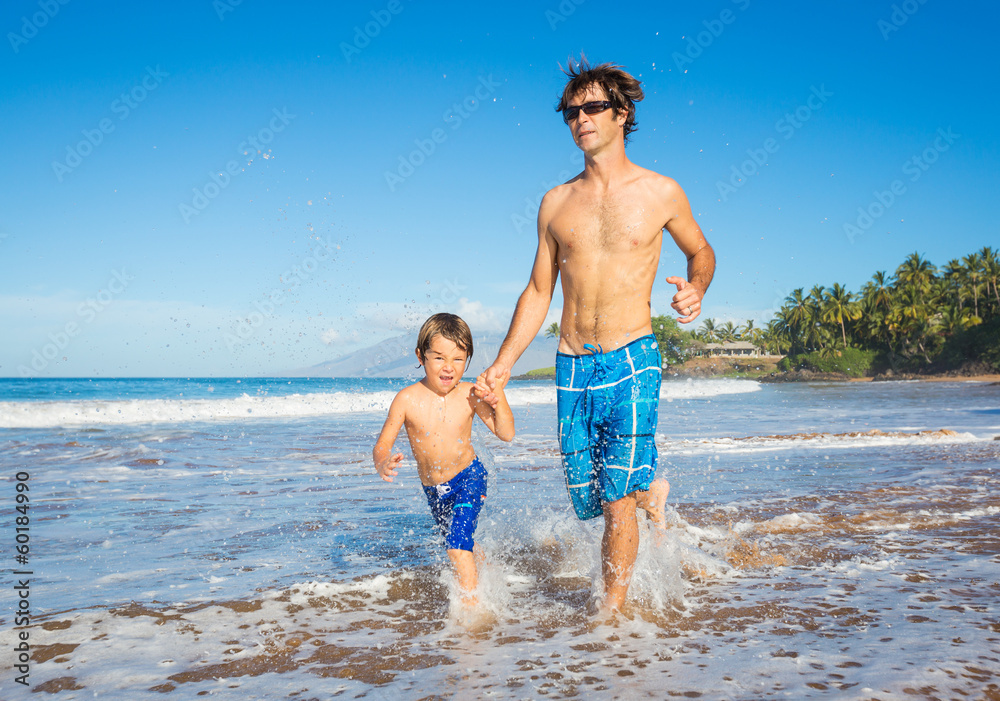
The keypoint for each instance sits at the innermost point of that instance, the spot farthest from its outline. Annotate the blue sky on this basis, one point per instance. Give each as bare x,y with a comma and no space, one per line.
222,188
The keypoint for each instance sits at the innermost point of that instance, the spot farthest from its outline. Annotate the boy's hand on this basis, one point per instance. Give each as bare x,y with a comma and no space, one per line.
388,469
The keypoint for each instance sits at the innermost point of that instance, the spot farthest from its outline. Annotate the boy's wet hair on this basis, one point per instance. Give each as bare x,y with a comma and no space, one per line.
448,325
621,89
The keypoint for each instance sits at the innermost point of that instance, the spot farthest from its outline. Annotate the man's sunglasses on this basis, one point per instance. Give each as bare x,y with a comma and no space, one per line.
571,113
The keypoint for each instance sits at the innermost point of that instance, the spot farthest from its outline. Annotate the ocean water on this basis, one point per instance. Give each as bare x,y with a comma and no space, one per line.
230,538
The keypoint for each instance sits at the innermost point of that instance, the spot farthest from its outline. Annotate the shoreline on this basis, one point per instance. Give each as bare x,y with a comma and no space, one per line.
764,370
828,377
807,376
993,379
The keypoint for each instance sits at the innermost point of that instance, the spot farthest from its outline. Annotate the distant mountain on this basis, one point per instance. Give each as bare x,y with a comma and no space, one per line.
394,357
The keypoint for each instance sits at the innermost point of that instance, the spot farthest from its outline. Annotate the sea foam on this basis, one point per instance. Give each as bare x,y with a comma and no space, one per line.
90,412
142,411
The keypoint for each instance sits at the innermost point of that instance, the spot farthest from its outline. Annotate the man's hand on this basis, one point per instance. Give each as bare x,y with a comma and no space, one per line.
496,371
490,382
687,301
388,468
487,389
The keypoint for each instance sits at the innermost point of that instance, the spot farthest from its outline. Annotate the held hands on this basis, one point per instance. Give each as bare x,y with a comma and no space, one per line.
687,301
489,385
389,467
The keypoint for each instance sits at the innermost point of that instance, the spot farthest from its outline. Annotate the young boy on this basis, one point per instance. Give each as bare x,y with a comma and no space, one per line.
438,413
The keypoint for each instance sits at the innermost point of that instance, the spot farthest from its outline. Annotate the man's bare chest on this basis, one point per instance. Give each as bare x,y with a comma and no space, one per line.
609,224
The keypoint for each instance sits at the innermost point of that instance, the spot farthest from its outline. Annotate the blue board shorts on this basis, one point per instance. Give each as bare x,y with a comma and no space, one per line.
607,405
456,504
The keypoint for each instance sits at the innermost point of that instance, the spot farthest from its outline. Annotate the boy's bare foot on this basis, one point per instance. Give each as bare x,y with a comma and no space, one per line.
476,619
654,502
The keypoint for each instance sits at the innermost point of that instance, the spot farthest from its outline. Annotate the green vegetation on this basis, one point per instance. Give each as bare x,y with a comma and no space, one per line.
678,346
853,362
675,344
737,368
919,318
540,373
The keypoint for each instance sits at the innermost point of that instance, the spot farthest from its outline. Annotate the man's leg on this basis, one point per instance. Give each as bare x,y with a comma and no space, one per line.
654,501
619,549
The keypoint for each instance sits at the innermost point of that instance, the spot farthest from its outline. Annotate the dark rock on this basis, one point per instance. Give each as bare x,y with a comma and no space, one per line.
804,376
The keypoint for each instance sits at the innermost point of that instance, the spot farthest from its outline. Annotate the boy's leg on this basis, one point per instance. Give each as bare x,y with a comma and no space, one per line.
469,495
468,578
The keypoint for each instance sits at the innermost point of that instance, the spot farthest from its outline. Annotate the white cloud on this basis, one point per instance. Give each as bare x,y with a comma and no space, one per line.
478,317
330,336
394,317
554,316
398,317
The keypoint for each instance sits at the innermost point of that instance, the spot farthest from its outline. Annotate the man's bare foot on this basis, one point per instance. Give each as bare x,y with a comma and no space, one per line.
654,501
600,610
604,612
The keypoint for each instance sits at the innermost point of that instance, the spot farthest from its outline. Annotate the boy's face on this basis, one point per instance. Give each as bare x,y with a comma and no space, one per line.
444,364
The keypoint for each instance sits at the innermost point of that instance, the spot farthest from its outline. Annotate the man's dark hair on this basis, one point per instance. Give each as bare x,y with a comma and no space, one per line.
622,90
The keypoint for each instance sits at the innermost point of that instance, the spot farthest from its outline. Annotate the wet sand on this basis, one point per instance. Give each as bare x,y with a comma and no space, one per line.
825,539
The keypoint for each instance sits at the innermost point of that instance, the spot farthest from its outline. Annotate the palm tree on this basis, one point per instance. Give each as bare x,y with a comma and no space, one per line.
839,304
707,331
797,317
727,332
816,333
915,272
775,336
991,271
880,289
953,273
973,274
951,320
552,331
910,316
876,303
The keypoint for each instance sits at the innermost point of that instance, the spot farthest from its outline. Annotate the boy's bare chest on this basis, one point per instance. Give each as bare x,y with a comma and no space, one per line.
446,416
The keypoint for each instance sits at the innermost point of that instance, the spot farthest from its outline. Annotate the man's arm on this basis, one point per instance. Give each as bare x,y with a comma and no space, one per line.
533,304
700,256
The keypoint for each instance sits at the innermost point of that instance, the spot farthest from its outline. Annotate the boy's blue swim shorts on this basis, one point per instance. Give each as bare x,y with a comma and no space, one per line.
607,405
456,504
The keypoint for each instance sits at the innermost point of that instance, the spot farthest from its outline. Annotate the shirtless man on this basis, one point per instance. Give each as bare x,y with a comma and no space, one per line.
603,231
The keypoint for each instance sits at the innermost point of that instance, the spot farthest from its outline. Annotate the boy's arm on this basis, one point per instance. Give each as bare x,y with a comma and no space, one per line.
385,462
496,414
